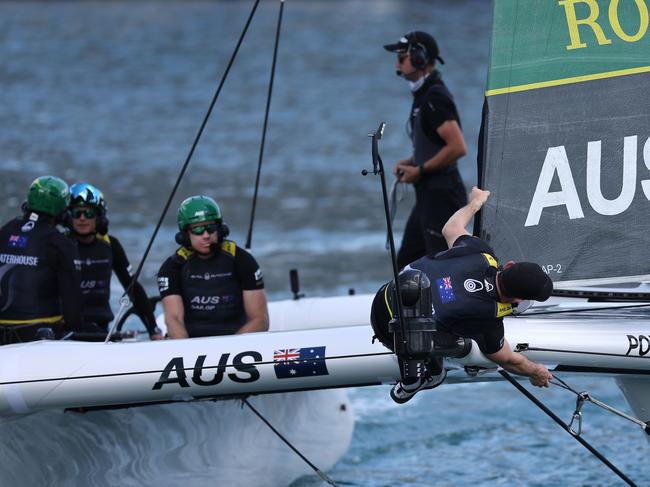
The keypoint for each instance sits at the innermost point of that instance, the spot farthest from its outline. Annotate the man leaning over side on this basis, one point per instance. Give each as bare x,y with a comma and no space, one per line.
468,311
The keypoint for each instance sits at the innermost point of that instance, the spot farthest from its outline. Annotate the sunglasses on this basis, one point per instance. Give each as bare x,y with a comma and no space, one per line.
402,57
88,213
210,228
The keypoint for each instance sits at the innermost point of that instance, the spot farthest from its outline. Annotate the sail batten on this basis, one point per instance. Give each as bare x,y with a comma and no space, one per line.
566,129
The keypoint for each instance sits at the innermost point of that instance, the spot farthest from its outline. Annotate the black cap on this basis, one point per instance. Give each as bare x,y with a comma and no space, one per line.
526,280
417,37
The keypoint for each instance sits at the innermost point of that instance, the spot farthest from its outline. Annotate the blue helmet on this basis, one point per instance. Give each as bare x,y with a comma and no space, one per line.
85,194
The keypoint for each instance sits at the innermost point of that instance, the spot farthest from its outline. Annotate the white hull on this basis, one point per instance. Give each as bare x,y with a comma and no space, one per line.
52,376
193,444
56,375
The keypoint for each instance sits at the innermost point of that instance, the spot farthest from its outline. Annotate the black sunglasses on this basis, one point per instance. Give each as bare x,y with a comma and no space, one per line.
402,57
88,213
210,228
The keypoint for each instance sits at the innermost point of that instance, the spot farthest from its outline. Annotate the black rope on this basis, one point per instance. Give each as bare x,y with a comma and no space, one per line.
191,152
319,472
566,427
249,238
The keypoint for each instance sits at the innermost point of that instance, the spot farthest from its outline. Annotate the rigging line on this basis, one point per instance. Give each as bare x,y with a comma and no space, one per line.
249,237
584,396
583,310
184,369
188,158
566,427
319,472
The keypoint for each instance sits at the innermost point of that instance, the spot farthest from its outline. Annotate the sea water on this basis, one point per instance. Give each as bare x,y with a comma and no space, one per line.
114,92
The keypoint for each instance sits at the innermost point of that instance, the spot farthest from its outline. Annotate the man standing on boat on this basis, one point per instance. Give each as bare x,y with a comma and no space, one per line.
210,286
435,132
39,267
102,254
470,294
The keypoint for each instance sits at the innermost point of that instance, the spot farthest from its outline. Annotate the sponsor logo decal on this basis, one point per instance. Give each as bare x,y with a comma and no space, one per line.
29,260
258,275
638,345
175,371
163,284
28,226
445,290
18,241
472,285
207,276
488,286
89,262
299,362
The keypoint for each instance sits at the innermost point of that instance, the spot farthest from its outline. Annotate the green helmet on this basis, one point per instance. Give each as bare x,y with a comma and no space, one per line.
197,209
49,195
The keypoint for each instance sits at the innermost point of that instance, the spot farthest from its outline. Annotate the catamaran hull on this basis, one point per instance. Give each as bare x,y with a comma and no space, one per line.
193,444
57,375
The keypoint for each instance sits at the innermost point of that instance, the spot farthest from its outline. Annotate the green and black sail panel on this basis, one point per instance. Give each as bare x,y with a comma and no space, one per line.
565,137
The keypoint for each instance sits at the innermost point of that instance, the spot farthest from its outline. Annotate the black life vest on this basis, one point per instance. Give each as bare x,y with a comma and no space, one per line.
424,145
212,293
463,287
96,271
29,290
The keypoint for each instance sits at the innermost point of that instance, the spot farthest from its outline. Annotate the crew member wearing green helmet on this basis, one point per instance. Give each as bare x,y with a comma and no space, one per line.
102,254
210,286
39,267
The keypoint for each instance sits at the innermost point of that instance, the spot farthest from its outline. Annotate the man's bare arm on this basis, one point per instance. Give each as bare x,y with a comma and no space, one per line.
455,226
257,312
519,364
175,316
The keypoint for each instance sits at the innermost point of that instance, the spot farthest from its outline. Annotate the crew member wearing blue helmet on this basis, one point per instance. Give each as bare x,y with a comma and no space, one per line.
39,274
100,255
210,286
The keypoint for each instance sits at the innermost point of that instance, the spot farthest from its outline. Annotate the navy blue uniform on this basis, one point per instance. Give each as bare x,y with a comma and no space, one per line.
99,259
464,293
439,193
211,288
39,280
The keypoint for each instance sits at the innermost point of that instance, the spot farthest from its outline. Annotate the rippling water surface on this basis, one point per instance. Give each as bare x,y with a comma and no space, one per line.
114,93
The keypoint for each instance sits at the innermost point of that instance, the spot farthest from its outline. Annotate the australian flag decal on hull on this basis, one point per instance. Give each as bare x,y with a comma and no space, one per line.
299,362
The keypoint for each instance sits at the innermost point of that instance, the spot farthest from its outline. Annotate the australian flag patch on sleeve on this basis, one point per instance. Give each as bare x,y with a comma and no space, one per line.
299,362
445,290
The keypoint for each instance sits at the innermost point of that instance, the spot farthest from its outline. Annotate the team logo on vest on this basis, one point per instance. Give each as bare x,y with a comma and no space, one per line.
28,226
488,286
472,285
205,300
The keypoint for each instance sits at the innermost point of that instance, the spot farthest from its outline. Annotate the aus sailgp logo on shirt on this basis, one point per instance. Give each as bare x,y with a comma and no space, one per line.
446,290
299,362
